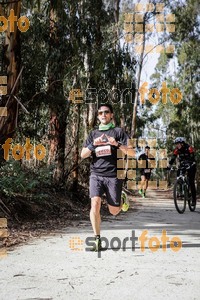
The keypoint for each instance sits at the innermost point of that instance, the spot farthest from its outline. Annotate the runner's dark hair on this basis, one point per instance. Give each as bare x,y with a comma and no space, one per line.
107,105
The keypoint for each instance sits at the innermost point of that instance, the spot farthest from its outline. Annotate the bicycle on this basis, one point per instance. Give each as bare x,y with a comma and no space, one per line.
181,190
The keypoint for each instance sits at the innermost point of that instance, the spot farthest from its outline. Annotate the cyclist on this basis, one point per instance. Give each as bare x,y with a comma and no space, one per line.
145,171
102,144
186,154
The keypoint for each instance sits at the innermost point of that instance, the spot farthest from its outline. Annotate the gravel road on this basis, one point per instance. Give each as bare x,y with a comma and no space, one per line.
59,267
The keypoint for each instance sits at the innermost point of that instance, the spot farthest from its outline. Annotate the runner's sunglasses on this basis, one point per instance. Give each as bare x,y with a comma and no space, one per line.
103,111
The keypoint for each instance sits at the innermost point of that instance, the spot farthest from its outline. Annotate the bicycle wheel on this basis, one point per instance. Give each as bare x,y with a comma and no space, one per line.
179,196
191,203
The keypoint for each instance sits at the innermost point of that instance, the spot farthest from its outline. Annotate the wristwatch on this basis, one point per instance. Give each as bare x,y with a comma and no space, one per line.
119,144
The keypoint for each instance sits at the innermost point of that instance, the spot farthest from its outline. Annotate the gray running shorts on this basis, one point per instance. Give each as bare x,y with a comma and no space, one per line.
111,186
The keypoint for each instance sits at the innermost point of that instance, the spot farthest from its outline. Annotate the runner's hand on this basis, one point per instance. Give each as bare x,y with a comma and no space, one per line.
100,141
111,141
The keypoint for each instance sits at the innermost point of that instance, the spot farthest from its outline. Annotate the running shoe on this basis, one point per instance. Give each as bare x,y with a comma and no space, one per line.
143,195
125,205
140,192
96,246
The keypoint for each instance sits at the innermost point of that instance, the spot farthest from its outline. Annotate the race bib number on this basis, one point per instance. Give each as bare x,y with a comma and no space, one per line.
103,151
147,171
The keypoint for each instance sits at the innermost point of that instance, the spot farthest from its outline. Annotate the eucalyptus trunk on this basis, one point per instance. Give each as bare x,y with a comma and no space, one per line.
11,60
56,97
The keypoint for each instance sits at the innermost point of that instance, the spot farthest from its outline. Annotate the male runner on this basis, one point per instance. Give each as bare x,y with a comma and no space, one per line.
103,144
146,171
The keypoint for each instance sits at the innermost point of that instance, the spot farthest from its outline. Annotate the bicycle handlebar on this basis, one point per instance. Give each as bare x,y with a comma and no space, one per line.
186,166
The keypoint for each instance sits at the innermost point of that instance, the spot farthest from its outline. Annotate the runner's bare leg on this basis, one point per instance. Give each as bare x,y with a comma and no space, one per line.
146,185
114,210
142,183
95,216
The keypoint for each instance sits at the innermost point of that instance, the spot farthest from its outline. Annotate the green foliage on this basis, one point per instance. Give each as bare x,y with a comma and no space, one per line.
182,119
17,181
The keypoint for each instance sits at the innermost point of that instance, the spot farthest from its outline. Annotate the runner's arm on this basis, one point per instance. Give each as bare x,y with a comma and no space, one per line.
128,150
88,147
85,153
125,145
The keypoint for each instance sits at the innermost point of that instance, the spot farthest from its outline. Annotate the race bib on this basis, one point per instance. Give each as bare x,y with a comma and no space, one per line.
103,151
147,171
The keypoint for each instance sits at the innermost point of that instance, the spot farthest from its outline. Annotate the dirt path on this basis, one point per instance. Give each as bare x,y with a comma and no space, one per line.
48,268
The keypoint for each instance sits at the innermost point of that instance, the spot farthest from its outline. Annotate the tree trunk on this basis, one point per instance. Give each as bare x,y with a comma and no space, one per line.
116,17
76,148
57,101
12,60
133,126
53,137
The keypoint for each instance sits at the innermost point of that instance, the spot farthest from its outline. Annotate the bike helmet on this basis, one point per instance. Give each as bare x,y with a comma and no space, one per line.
179,140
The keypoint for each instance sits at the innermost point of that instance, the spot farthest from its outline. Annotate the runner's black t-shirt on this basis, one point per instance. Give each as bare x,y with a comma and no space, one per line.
104,159
147,159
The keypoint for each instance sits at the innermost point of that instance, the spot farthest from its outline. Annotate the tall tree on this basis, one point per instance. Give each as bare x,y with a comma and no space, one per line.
12,64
